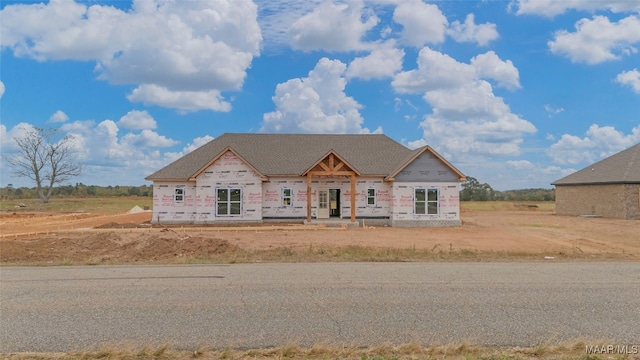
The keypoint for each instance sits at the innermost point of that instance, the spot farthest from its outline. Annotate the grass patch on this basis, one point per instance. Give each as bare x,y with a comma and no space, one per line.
464,351
507,205
112,204
351,253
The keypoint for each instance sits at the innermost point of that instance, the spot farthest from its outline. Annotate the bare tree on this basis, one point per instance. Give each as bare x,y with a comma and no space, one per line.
45,160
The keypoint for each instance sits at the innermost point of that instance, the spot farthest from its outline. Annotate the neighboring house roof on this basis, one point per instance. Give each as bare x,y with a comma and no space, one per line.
620,168
292,154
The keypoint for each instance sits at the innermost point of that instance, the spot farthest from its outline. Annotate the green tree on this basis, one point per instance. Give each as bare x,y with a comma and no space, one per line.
473,190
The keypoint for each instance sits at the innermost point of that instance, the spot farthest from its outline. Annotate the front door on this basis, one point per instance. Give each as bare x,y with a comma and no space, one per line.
323,204
334,203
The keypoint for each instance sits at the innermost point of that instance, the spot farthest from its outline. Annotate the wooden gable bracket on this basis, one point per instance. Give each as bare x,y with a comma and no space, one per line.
332,164
217,157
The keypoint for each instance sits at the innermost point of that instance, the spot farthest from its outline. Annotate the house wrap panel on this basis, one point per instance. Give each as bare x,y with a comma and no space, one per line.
403,203
426,167
228,172
273,199
382,198
174,202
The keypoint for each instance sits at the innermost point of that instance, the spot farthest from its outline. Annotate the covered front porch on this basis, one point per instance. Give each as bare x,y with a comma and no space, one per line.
329,198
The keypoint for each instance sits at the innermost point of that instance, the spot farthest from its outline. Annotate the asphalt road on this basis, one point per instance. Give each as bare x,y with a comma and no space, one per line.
262,305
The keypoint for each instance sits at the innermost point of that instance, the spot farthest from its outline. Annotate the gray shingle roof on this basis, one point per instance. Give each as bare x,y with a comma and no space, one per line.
292,154
620,168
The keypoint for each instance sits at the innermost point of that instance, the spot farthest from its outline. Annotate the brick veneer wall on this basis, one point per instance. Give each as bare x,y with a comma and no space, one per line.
632,201
612,201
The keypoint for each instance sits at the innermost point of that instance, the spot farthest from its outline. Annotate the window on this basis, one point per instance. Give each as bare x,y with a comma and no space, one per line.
178,195
286,196
432,201
371,197
426,201
420,201
229,201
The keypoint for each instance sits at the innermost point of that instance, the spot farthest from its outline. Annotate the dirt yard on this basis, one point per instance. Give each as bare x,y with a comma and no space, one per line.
530,233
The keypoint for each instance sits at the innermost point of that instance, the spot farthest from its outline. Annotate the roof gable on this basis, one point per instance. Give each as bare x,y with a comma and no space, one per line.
220,156
418,156
620,168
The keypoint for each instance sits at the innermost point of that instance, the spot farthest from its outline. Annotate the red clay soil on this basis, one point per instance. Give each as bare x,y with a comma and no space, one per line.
129,238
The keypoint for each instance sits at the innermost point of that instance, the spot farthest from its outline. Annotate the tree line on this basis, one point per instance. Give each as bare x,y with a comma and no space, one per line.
77,190
473,190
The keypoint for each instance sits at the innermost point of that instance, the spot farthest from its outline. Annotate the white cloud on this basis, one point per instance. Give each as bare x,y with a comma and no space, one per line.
7,143
597,40
527,174
196,143
103,144
435,71
147,139
630,78
557,171
416,144
598,143
198,47
422,23
490,66
315,104
468,31
1,89
382,62
333,27
467,117
552,8
58,117
182,100
438,71
520,165
137,120
490,129
552,110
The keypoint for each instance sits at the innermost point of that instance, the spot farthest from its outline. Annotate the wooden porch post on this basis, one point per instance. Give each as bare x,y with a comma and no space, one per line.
308,197
353,197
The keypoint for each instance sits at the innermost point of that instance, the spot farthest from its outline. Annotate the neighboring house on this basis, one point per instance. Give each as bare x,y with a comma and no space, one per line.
608,188
267,177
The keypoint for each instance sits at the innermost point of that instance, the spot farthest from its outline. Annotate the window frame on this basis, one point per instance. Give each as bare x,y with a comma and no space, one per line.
371,197
178,195
429,205
417,202
228,202
285,197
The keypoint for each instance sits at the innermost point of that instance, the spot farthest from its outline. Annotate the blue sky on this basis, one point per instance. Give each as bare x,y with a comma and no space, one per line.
515,93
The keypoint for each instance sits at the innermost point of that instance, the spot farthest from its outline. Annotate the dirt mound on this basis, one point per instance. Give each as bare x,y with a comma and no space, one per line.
135,210
103,247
